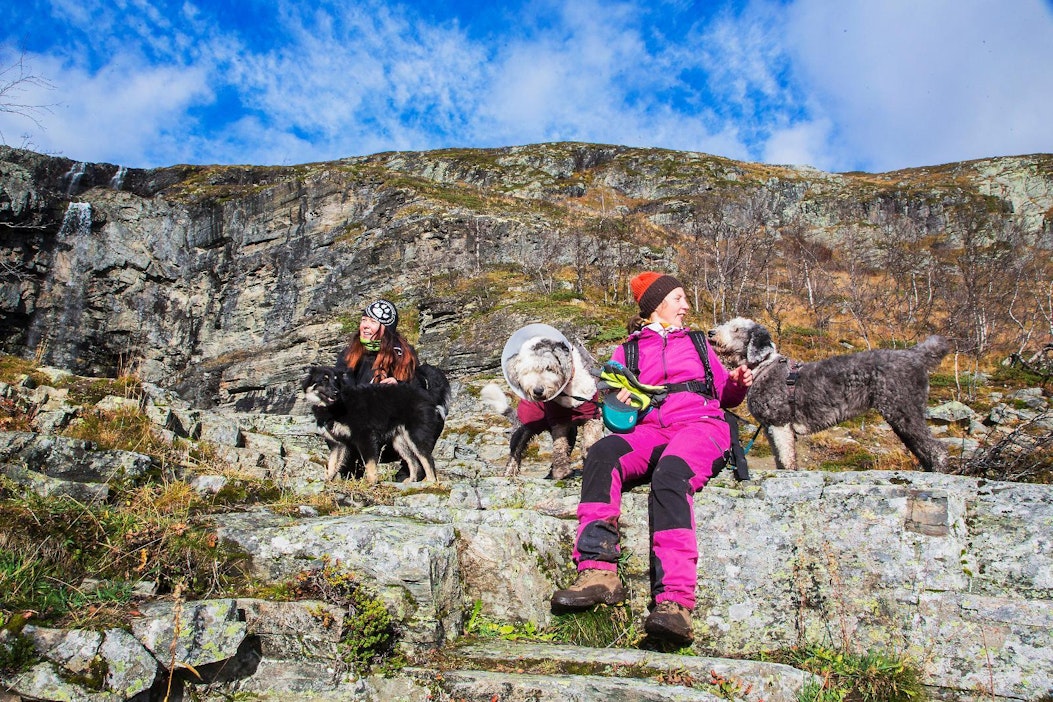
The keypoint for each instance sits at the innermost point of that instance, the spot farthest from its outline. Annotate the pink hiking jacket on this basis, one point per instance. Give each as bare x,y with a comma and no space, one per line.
673,359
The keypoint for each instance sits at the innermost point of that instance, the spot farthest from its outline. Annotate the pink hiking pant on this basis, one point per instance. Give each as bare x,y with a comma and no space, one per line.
677,460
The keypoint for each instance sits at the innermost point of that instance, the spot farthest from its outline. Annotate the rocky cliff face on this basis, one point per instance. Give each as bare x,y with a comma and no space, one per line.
224,282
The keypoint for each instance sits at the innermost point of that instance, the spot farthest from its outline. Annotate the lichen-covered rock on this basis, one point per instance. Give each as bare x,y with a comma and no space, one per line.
752,681
193,634
951,412
70,459
294,630
884,560
412,565
84,665
522,687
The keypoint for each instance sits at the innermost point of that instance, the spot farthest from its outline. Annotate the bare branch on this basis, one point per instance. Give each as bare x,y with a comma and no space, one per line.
16,79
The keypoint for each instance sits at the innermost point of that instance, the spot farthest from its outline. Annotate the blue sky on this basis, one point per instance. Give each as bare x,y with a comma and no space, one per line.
840,85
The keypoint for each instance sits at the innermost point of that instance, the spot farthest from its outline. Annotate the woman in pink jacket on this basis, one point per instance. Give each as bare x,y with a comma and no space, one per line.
674,446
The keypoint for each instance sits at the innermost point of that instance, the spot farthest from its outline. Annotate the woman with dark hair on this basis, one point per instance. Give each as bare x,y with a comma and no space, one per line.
379,353
676,447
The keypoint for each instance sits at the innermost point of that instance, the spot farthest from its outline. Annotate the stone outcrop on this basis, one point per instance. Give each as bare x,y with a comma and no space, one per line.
954,572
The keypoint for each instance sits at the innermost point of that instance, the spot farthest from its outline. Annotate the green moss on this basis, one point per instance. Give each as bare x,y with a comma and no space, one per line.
942,380
93,677
17,652
846,457
1017,377
246,492
13,369
88,391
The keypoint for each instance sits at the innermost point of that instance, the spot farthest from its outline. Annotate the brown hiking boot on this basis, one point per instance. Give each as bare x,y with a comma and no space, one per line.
593,587
670,621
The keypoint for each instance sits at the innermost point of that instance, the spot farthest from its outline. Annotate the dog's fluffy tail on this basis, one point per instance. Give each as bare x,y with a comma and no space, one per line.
494,398
437,386
933,350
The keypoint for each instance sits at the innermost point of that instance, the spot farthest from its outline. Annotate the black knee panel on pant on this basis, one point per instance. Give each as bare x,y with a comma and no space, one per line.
602,458
670,494
599,542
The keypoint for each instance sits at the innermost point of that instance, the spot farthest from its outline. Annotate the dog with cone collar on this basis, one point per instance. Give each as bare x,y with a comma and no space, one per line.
557,394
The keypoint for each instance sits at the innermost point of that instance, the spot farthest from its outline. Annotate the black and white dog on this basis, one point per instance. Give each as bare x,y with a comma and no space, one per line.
367,419
789,399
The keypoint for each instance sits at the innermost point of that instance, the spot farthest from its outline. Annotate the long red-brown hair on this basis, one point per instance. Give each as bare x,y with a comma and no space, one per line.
395,358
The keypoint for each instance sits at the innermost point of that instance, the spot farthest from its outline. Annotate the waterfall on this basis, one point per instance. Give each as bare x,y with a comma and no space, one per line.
75,173
60,306
77,221
118,178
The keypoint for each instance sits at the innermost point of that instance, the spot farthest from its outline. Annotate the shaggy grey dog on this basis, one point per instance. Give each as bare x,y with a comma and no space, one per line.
828,392
557,394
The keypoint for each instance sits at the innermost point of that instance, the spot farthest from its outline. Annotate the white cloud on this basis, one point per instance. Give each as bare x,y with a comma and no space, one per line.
838,86
800,144
134,114
911,83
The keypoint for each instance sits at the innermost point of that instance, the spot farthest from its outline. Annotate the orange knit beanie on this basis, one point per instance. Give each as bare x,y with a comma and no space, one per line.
650,288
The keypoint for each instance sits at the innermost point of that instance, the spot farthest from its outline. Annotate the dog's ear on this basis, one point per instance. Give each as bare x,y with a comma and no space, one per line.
564,357
512,368
758,346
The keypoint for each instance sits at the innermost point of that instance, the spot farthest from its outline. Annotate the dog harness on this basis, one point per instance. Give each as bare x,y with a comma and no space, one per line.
793,369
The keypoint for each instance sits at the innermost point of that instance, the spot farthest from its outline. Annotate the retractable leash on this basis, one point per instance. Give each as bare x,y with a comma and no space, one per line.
750,444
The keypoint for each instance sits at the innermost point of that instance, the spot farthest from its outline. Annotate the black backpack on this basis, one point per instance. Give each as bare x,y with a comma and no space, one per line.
735,455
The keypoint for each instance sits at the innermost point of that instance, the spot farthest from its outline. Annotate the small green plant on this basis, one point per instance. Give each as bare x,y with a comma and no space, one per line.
53,544
17,652
483,627
564,296
369,636
818,692
16,655
873,676
615,332
601,627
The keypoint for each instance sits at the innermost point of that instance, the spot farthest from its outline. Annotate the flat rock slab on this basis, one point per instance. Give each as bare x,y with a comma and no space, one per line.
754,681
484,686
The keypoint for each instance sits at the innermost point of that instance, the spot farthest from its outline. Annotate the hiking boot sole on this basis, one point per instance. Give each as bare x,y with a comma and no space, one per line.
579,600
672,631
